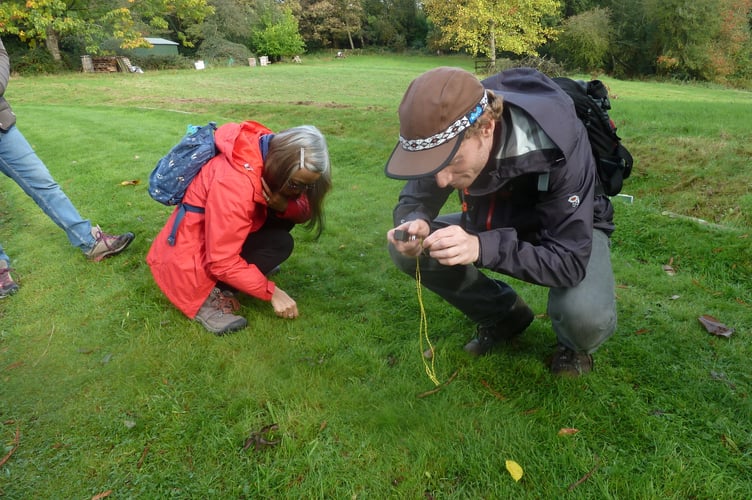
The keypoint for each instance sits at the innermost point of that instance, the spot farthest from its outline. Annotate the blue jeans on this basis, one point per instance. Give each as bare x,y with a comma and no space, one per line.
19,162
582,317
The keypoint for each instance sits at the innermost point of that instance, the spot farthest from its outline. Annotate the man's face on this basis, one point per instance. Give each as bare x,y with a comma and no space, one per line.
469,161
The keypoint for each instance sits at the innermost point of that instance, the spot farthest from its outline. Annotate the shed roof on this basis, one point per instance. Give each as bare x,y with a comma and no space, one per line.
160,41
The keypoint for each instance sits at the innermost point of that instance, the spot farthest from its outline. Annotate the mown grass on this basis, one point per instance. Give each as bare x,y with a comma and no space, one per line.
112,390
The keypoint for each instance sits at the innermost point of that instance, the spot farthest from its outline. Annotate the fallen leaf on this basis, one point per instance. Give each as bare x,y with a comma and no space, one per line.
568,431
674,297
134,182
102,495
714,326
641,331
428,353
669,270
514,470
261,439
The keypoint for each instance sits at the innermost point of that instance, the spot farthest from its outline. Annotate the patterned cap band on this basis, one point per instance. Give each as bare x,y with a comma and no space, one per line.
450,133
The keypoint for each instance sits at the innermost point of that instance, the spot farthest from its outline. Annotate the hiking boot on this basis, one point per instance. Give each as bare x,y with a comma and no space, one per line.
216,313
519,318
227,302
7,285
108,244
568,363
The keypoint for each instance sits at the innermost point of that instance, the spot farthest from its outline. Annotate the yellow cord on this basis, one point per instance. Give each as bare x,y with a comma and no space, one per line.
430,370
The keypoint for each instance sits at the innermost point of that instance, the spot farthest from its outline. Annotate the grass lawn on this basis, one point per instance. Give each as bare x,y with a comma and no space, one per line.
106,390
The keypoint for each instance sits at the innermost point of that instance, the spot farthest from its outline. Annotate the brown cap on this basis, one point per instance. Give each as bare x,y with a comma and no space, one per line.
437,108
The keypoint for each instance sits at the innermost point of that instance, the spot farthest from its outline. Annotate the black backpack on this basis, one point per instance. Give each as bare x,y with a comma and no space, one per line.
591,103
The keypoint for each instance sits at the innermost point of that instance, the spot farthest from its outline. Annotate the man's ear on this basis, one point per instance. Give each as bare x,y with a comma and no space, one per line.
487,129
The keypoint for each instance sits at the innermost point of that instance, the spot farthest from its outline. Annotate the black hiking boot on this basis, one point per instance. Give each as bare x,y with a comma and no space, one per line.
519,318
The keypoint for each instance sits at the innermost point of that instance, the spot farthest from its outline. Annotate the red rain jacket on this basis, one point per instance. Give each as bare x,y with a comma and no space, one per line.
207,245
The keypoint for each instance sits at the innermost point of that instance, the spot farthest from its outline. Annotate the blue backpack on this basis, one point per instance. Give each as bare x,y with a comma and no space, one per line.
175,171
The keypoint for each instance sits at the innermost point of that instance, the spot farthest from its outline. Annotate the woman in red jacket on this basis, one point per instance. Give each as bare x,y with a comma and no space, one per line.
253,192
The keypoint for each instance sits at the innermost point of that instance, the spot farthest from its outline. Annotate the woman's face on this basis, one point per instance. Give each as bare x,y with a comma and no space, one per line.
302,180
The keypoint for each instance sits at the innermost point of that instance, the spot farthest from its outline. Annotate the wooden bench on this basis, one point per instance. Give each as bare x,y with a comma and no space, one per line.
484,66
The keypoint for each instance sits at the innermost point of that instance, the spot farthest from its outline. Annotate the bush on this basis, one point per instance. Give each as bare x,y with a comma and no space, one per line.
155,63
37,61
219,48
584,41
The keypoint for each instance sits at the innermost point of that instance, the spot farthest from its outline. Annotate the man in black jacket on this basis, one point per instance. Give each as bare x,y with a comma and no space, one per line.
520,159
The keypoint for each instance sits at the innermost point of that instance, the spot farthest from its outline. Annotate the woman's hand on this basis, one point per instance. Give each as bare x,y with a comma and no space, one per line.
275,201
283,305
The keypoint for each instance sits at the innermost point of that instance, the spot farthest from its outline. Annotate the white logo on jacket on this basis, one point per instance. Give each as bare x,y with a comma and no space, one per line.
574,200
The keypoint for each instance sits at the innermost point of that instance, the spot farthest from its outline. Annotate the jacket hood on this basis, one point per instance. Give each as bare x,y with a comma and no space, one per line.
542,98
240,143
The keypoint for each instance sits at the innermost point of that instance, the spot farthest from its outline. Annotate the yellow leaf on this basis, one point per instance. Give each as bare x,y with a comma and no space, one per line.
514,470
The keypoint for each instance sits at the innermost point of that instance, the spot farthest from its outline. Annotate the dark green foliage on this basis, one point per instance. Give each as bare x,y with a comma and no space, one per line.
153,63
585,41
219,48
36,61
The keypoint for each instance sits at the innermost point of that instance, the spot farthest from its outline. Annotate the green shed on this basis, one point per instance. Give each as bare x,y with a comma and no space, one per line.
159,47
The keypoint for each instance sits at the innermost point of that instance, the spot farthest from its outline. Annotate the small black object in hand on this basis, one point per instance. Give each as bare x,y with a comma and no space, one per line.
401,235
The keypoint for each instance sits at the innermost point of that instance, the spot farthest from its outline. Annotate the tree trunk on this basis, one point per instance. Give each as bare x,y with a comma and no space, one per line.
492,45
53,44
349,37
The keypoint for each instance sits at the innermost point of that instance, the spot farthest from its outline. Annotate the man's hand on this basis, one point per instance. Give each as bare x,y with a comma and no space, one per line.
452,246
416,230
283,305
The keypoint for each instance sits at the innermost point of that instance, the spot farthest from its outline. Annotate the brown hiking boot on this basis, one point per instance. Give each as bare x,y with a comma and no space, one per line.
519,318
568,363
7,285
216,313
108,244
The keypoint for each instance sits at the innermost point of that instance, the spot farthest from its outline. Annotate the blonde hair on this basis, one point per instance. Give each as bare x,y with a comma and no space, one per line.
295,148
491,113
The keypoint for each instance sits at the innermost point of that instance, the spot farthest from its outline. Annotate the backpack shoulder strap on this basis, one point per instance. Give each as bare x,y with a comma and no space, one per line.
182,209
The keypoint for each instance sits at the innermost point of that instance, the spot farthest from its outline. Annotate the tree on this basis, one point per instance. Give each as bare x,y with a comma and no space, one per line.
278,35
703,39
395,24
323,23
487,26
39,22
585,40
46,21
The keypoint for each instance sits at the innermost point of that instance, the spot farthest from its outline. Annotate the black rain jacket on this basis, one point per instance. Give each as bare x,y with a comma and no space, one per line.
533,207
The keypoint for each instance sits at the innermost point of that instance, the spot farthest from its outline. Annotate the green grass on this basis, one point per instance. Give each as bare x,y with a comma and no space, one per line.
112,389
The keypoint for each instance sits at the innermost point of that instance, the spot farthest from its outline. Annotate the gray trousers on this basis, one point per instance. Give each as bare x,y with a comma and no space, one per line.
582,317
